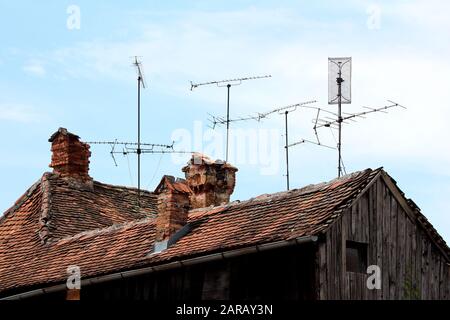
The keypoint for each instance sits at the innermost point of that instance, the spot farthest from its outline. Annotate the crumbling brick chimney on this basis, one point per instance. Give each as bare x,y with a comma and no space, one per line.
70,156
173,208
211,182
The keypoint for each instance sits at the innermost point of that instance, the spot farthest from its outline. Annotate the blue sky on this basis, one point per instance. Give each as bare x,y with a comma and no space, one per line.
52,76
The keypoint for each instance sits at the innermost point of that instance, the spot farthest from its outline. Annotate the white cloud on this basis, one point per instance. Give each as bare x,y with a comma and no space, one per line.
19,113
35,67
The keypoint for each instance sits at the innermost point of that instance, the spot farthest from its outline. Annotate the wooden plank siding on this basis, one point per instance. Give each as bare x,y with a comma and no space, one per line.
412,266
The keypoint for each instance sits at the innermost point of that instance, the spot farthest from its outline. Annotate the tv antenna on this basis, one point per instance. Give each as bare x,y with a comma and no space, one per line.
285,111
339,92
334,123
228,83
216,121
130,147
301,141
136,147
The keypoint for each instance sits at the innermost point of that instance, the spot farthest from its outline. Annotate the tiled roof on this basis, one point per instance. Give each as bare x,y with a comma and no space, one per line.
101,229
127,244
54,209
268,218
75,208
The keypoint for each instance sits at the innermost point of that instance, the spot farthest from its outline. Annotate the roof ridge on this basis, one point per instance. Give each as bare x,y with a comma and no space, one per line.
54,207
366,177
311,188
101,231
114,186
103,184
45,216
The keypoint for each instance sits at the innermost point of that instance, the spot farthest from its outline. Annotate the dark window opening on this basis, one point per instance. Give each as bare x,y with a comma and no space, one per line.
356,257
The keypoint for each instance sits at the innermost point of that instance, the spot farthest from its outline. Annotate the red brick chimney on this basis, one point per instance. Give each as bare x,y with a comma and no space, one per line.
211,182
173,207
70,156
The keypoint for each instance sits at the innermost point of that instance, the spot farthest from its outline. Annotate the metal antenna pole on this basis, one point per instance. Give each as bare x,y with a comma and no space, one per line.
140,81
339,81
228,119
339,98
139,140
287,148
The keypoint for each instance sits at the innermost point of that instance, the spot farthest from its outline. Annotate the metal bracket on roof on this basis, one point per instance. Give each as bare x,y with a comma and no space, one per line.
160,246
179,234
165,244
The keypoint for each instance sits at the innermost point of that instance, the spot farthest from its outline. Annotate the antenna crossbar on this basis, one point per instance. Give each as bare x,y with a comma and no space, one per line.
229,81
127,149
328,123
290,108
150,151
311,142
131,143
259,116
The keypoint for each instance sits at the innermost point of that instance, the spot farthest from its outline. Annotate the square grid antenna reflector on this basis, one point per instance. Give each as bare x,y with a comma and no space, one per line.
339,68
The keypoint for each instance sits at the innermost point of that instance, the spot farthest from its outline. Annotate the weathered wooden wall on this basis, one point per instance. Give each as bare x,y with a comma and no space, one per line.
412,267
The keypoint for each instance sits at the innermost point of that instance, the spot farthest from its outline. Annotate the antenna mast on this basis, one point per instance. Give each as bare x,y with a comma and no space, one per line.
286,131
340,71
287,109
228,84
286,147
339,92
136,147
140,82
339,81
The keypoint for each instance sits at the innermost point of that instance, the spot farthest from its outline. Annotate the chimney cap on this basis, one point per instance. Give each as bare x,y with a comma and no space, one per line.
202,159
62,131
173,184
